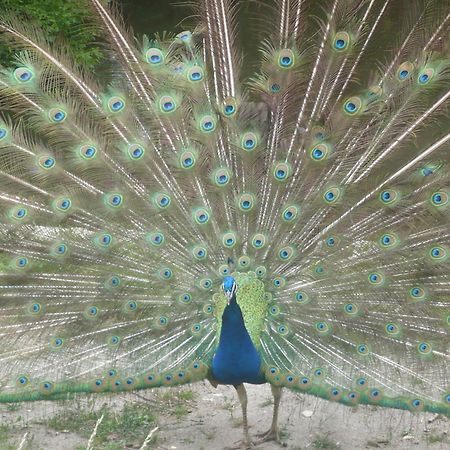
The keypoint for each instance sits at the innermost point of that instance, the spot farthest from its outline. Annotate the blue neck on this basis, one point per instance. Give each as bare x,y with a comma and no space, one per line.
236,360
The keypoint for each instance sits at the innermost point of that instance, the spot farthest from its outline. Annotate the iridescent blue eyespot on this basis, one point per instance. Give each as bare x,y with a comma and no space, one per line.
21,262
87,151
61,249
322,327
363,349
350,308
185,298
425,76
3,133
205,283
439,199
229,240
229,109
274,310
389,196
275,88
286,61
361,381
331,195
290,213
258,240
103,240
23,380
135,152
249,141
161,200
404,71
391,328
154,56
166,273
249,144
195,74
207,124
301,297
46,162
168,106
281,171
317,153
131,305
163,321
424,348
21,213
117,105
23,74
388,240
184,36
335,392
438,253
341,41
57,115
350,107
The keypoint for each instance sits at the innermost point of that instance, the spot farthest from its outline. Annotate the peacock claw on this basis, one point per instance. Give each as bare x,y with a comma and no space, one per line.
242,445
271,435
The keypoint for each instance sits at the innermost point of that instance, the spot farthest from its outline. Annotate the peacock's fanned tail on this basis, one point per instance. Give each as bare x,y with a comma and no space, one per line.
322,182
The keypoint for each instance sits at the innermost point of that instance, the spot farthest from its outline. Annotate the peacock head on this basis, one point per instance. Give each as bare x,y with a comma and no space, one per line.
229,288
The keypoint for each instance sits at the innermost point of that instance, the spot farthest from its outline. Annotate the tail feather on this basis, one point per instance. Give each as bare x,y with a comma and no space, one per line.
322,183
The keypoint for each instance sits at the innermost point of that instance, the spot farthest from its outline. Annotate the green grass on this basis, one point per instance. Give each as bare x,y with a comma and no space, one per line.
434,438
127,428
177,403
5,443
324,442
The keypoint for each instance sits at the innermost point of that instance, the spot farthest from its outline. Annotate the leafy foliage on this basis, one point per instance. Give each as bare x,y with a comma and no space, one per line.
66,20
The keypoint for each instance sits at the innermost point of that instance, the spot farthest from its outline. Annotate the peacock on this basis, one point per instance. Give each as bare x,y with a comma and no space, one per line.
211,214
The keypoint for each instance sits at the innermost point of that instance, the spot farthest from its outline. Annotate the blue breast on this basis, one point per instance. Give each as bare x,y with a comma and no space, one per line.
236,360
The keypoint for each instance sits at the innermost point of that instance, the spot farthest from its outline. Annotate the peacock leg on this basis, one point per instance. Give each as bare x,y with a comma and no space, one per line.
273,434
242,394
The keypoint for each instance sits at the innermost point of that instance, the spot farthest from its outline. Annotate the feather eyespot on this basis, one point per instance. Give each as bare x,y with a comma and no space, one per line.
154,56
57,115
341,41
116,104
87,152
23,74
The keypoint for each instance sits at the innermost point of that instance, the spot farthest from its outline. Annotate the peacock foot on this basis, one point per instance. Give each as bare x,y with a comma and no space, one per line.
245,444
271,435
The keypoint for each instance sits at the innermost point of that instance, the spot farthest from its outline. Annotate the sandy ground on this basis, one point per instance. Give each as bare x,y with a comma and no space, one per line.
212,420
